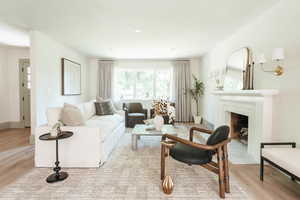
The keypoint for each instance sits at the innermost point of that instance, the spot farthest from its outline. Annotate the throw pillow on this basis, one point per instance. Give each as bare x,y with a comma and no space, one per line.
71,115
104,108
100,99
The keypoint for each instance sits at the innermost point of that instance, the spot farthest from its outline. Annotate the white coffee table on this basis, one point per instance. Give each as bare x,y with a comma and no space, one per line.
143,130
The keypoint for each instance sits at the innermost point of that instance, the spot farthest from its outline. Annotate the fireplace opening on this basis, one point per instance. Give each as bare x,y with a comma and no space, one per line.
239,127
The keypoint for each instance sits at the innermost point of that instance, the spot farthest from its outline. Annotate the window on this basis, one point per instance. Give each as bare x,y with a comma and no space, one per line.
142,83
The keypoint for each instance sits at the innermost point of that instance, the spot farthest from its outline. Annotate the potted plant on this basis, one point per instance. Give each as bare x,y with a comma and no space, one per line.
196,92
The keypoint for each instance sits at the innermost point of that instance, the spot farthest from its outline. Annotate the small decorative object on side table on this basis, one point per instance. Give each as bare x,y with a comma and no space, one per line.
58,175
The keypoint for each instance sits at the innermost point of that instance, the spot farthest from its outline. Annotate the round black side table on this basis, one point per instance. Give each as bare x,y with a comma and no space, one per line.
58,175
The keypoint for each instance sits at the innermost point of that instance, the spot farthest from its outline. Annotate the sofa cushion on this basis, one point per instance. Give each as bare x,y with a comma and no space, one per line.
287,158
107,123
72,115
136,115
89,109
53,115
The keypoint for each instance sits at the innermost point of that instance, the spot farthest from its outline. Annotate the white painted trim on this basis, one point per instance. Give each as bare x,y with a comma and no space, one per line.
31,139
4,125
271,92
7,125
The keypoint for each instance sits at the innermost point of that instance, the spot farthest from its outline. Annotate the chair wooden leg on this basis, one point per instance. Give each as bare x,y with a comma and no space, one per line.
226,169
221,173
163,162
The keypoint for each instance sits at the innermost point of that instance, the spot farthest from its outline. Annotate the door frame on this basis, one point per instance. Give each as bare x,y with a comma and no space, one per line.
22,61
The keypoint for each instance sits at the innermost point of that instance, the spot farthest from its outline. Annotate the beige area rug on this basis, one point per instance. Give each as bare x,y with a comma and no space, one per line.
127,175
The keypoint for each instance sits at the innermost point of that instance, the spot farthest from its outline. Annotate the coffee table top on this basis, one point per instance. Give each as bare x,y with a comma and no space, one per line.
142,129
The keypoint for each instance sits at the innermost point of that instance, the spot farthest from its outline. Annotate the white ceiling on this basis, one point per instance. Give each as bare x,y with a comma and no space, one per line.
12,36
107,28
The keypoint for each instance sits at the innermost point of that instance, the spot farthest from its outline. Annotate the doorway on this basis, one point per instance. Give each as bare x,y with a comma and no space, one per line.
25,88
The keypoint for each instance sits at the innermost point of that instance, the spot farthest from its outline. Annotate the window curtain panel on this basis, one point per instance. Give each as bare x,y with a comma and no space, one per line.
182,83
105,76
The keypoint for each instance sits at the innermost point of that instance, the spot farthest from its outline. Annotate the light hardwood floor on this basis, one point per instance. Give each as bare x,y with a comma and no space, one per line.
17,159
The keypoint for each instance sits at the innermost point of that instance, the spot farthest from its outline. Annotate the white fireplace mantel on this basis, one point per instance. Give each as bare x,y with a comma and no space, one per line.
257,105
271,92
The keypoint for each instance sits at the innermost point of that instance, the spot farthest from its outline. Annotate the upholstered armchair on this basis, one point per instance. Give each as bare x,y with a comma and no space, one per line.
134,114
192,153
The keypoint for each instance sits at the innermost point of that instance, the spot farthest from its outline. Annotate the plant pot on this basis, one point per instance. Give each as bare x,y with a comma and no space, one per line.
197,119
158,122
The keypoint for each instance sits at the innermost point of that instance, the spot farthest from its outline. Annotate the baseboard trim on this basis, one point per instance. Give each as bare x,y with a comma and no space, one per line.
13,124
16,125
31,139
4,125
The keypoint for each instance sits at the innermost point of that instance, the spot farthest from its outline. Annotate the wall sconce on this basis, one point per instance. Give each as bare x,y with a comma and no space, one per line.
278,55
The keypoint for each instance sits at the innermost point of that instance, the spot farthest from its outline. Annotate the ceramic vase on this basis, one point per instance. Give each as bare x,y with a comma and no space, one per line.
158,122
53,133
197,119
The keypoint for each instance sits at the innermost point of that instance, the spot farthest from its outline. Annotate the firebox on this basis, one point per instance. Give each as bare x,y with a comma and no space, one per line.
239,127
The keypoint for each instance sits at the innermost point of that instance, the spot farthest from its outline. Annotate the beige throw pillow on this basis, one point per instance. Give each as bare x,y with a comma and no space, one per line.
72,116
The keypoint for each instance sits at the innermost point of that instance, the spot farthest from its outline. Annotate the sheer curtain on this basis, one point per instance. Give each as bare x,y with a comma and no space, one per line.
105,77
182,82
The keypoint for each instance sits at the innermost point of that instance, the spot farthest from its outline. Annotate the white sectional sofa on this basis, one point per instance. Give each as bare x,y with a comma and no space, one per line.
90,145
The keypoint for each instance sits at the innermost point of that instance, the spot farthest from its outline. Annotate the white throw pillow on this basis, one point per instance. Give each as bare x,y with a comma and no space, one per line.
72,115
99,99
89,109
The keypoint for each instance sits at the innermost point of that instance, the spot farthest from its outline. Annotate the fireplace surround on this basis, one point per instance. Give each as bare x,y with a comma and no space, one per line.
257,106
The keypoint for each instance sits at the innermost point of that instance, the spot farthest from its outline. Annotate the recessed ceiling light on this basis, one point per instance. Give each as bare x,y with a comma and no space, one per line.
138,31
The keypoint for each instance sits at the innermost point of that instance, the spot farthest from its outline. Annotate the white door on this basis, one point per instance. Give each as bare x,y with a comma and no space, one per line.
25,81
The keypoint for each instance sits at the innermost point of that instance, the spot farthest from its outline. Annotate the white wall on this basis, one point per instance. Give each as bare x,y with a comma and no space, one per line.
46,55
4,112
276,28
9,82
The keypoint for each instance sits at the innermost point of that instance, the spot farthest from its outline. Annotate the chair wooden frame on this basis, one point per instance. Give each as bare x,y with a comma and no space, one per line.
220,167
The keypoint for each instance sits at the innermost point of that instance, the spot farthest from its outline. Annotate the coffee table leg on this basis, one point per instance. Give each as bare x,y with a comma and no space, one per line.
134,142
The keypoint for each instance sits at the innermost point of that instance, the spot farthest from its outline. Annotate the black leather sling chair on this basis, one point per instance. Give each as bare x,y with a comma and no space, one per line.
192,153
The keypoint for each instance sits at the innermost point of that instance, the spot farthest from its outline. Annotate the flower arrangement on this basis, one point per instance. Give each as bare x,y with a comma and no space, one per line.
160,107
163,107
171,113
